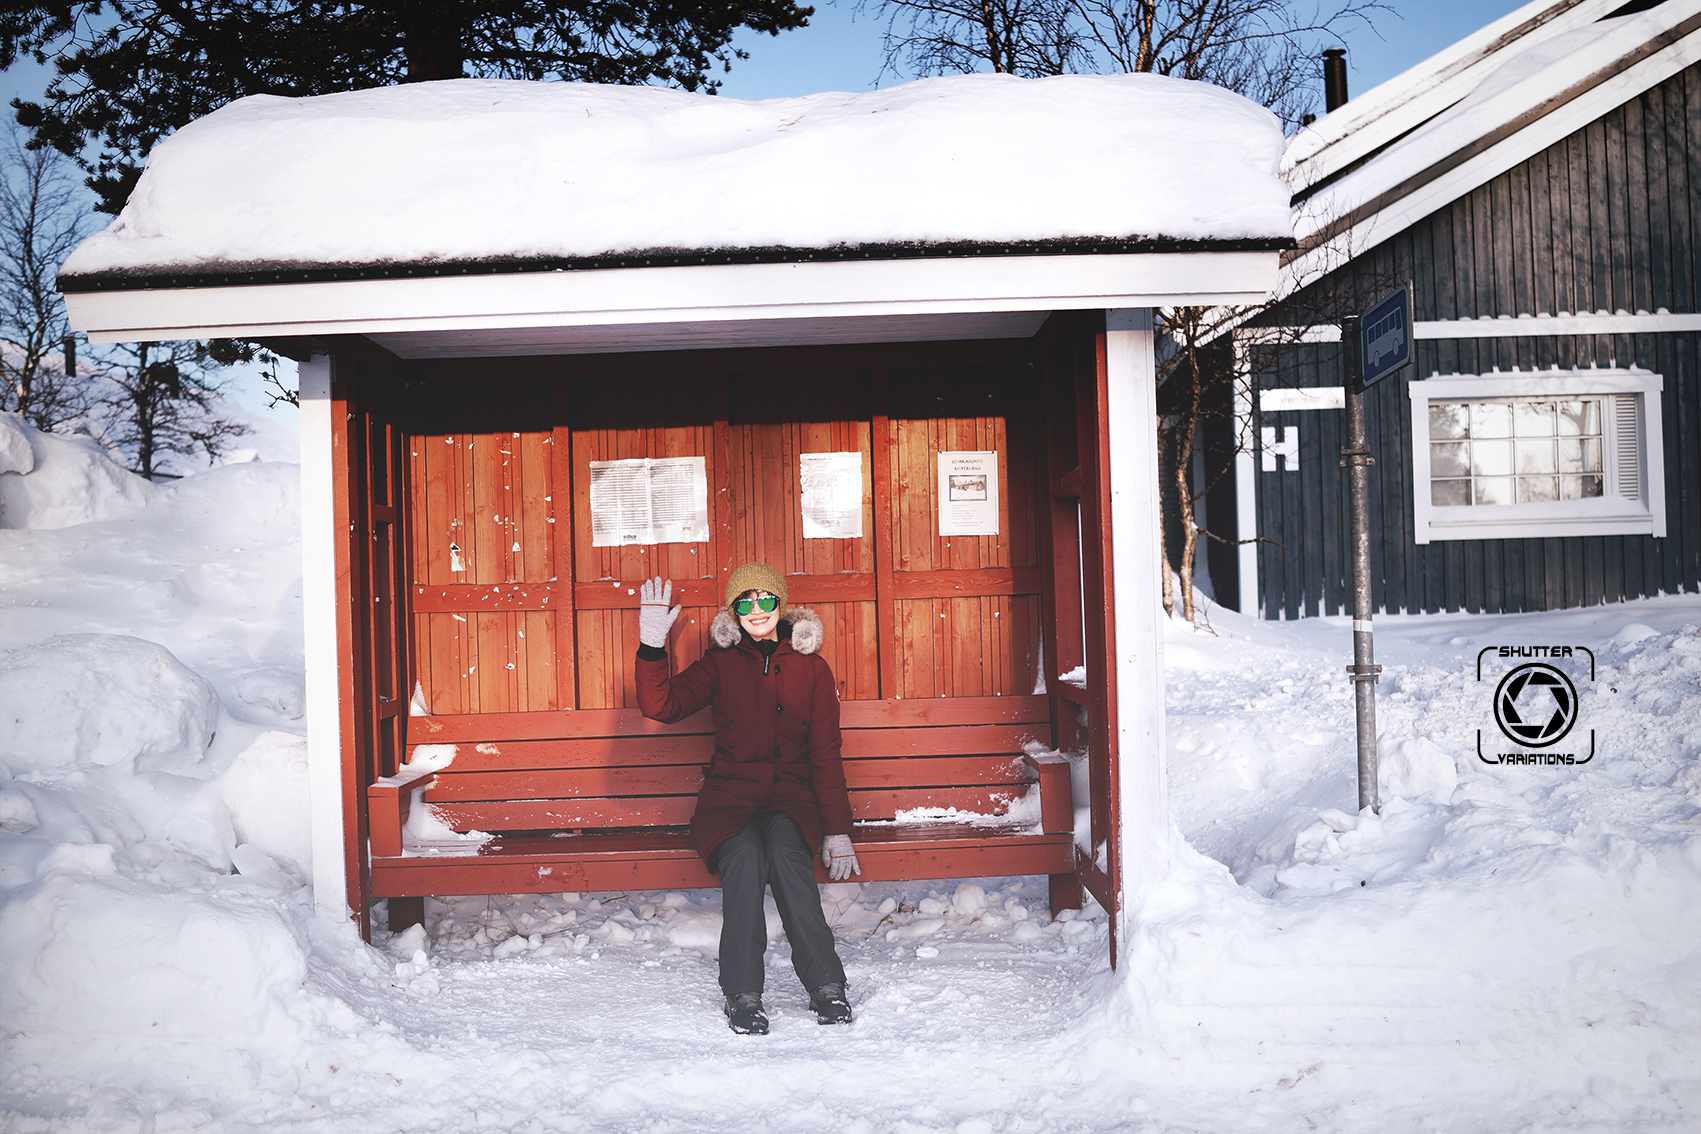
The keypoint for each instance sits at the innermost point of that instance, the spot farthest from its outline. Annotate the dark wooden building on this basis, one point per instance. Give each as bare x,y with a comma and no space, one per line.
1539,184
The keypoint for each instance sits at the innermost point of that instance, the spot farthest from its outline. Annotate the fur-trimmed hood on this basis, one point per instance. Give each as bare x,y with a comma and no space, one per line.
807,633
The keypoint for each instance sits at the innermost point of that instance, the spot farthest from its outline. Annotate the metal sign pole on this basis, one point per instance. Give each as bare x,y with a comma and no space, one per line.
1356,459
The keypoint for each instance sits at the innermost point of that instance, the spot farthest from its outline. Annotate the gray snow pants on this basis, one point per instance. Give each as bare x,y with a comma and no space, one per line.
770,852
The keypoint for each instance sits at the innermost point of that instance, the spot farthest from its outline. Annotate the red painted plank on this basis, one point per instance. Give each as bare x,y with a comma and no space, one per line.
567,814
475,727
1057,808
643,751
568,868
931,711
457,784
901,713
481,597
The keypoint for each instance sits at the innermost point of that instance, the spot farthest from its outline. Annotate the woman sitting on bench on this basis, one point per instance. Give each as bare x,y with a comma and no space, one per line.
775,787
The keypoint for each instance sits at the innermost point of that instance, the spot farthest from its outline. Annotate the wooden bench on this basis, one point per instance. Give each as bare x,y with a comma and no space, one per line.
599,800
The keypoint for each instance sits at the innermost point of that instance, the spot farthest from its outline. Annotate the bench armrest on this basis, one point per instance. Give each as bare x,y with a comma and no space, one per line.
387,804
1057,802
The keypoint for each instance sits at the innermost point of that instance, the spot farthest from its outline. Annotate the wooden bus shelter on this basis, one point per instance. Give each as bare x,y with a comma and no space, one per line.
471,625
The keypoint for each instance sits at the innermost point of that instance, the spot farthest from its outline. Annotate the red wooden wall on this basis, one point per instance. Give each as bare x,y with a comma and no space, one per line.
499,456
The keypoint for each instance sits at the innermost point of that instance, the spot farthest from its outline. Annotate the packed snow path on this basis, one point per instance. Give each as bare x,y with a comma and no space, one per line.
1503,949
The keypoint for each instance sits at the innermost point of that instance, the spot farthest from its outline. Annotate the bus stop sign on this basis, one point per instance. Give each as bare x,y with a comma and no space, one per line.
1385,337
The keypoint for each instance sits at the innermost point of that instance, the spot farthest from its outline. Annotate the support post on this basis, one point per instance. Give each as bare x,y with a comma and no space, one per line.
1245,475
320,596
1137,564
1356,459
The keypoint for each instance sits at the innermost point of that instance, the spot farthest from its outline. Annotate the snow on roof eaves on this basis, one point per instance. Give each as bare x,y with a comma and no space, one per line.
1352,132
487,175
1533,99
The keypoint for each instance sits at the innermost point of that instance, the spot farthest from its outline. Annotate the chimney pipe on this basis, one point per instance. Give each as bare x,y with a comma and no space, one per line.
1334,78
70,346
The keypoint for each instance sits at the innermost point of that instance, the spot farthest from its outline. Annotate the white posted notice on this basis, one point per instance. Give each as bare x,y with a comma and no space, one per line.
831,486
968,493
649,500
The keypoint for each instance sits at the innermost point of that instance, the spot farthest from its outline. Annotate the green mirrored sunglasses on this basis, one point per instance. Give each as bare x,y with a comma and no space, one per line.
744,606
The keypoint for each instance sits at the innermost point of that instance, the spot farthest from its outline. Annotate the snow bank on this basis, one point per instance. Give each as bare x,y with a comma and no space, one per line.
16,455
265,791
103,699
49,480
90,953
478,169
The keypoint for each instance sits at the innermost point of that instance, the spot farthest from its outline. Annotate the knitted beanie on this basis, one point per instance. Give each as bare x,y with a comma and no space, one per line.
756,577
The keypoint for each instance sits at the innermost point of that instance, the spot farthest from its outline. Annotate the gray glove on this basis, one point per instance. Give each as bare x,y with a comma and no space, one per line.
654,617
839,858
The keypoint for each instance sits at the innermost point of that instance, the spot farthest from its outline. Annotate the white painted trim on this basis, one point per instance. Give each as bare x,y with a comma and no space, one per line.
1661,322
1526,326
319,597
701,293
1245,484
1378,174
1654,460
1285,399
1137,566
1609,515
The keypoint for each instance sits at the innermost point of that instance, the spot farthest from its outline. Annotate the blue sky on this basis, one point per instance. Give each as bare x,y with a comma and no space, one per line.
840,50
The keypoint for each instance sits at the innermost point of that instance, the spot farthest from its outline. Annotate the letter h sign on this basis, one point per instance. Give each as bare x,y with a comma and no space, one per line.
1287,449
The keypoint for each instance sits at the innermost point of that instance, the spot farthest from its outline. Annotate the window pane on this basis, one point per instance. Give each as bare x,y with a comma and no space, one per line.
1491,419
1580,418
1490,458
1535,457
1494,490
1449,493
1533,419
1571,456
1537,489
1592,454
1448,420
1580,487
1450,458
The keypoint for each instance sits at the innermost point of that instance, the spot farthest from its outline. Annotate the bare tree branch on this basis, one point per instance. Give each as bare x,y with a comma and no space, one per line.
44,213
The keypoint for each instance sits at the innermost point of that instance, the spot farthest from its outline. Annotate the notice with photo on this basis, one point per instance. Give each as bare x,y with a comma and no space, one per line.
649,500
968,493
831,489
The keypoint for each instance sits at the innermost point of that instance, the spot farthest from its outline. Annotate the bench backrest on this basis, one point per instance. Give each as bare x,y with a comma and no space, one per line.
612,769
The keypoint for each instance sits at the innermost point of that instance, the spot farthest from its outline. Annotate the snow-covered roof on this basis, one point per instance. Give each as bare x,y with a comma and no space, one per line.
1382,114
1371,168
481,173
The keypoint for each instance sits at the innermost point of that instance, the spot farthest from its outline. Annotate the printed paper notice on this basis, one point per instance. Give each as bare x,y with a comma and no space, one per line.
832,495
649,500
968,493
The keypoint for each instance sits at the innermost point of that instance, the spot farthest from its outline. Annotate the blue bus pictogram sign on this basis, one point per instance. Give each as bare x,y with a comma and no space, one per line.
1385,337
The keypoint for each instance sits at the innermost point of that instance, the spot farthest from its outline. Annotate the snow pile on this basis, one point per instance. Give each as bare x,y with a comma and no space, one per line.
103,699
153,825
50,480
476,169
16,454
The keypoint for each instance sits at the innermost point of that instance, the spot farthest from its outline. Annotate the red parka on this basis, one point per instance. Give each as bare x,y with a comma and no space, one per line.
776,729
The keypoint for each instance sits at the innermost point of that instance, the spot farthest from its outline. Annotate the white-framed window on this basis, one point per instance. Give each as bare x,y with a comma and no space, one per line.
1537,453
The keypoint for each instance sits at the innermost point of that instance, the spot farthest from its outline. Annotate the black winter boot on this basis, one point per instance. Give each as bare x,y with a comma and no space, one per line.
744,1014
830,1004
